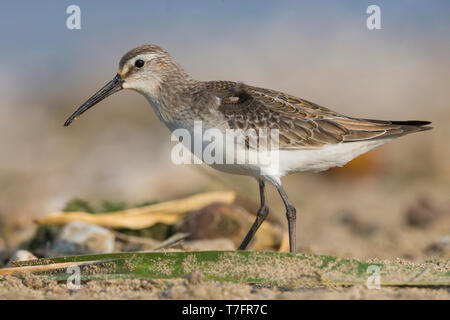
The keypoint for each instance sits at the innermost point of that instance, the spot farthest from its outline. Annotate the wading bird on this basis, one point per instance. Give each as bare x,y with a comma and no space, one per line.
311,137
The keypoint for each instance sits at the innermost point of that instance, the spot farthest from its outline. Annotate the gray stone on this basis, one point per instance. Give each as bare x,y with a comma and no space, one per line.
20,255
83,238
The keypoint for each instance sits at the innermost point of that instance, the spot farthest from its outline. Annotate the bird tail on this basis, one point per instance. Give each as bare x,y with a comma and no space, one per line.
411,126
393,129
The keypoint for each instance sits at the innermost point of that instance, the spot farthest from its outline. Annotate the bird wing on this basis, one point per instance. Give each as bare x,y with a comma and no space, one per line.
301,124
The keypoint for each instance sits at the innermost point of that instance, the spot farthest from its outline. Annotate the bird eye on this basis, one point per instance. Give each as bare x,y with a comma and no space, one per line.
139,63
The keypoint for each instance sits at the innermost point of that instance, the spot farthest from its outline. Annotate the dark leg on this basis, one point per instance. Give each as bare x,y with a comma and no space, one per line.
291,216
261,215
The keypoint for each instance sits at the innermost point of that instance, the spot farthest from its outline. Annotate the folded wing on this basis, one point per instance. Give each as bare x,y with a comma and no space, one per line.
301,124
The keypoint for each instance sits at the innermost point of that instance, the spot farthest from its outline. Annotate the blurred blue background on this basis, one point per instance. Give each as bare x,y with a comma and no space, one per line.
218,38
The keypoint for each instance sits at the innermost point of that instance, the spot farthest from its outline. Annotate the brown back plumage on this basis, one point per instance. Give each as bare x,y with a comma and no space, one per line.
301,123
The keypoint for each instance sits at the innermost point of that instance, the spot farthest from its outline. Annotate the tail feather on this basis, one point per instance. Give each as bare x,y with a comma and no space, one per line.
413,125
384,129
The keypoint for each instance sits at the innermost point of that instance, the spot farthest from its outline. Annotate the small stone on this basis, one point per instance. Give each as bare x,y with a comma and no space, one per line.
20,255
423,213
445,241
217,220
83,238
441,248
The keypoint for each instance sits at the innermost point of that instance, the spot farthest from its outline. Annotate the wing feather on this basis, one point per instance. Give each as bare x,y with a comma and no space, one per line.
301,124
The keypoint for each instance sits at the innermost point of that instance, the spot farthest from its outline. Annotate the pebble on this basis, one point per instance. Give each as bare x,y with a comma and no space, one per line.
20,255
83,238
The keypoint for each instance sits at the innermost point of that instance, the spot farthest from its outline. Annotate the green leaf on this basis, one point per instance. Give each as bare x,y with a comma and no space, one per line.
159,231
44,235
112,206
261,267
78,205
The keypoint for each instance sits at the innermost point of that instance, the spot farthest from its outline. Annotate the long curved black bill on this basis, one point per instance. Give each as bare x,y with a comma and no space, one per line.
111,87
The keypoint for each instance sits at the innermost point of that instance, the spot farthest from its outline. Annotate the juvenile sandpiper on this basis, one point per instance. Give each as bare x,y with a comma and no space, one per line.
311,137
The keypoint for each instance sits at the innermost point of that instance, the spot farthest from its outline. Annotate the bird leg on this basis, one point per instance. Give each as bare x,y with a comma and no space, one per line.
291,217
261,215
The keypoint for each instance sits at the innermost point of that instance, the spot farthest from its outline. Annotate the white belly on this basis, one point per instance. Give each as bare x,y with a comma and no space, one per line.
320,159
304,160
279,163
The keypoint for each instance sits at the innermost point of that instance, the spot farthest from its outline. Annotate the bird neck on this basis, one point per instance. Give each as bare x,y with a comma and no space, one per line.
169,98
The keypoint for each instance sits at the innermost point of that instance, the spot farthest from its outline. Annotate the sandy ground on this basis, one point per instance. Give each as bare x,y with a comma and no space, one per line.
33,288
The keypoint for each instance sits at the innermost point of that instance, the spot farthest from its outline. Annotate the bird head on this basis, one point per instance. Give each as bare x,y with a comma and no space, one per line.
142,69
